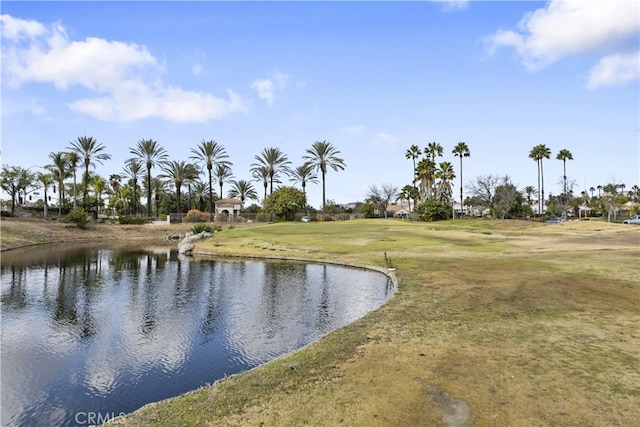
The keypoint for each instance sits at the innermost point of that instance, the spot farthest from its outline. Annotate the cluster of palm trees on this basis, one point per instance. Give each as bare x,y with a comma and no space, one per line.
435,179
540,152
269,168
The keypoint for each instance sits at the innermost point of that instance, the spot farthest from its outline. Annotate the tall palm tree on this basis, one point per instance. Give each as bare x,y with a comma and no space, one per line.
564,155
90,151
179,172
261,174
132,168
275,161
599,191
73,159
461,150
425,173
538,153
222,173
200,195
322,155
243,190
592,189
46,179
60,171
530,190
433,150
445,174
98,185
210,153
151,154
159,187
304,174
413,153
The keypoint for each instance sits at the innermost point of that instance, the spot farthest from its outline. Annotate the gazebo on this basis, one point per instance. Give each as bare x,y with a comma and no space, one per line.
230,207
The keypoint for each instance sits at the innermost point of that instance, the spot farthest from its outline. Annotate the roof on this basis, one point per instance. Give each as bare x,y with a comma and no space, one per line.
228,202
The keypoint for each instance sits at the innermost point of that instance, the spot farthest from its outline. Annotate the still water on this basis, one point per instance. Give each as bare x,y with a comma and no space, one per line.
89,333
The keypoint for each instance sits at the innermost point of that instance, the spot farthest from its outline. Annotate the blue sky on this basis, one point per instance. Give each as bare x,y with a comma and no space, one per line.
372,78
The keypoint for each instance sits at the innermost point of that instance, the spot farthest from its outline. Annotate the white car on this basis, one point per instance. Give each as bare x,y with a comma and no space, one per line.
305,219
635,219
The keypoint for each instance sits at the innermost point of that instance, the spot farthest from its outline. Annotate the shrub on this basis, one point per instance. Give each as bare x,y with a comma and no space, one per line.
132,220
79,217
432,210
200,227
196,215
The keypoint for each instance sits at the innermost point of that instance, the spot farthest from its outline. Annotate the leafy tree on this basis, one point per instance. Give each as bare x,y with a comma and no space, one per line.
366,209
304,174
506,201
461,150
150,153
485,188
382,196
432,210
323,155
15,179
445,174
60,170
179,172
89,150
211,154
538,153
243,190
275,162
285,202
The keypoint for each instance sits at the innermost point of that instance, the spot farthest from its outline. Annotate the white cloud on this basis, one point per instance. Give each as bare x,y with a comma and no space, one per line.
270,87
125,75
353,130
615,69
570,27
453,5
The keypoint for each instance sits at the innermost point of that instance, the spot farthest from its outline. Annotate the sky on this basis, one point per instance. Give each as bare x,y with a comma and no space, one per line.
372,78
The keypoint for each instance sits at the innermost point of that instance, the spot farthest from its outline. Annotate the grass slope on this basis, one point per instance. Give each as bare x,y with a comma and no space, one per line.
495,323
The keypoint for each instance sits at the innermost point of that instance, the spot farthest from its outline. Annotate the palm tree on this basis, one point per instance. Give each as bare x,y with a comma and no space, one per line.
200,195
222,173
243,190
159,187
461,150
132,168
304,174
413,153
592,189
210,153
275,161
432,151
321,155
530,190
150,153
445,174
599,190
179,172
538,153
635,190
261,174
424,172
73,159
46,179
98,185
89,150
564,155
60,171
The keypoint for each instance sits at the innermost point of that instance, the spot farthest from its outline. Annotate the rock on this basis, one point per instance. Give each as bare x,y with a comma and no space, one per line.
186,246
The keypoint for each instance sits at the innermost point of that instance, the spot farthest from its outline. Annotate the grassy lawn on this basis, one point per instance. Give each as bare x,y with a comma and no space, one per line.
494,323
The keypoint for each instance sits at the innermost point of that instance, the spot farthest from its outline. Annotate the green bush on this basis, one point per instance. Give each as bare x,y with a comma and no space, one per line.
200,227
132,220
432,210
79,217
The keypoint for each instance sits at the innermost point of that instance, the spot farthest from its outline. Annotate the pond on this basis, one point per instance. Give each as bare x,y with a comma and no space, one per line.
90,333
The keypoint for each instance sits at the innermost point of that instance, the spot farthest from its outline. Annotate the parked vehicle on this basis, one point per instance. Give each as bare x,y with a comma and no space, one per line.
635,219
305,219
554,220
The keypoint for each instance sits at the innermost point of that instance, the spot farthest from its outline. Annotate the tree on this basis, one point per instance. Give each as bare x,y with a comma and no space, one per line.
151,154
413,153
285,202
485,189
222,173
13,180
445,174
46,179
98,185
304,174
461,150
424,172
261,174
506,199
243,190
73,159
432,210
275,161
60,170
407,193
538,153
321,156
530,191
564,155
382,196
179,172
132,168
211,154
89,150
159,188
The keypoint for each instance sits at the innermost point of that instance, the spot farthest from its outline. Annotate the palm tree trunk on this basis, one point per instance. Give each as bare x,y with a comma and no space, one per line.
461,208
210,194
149,192
324,201
542,181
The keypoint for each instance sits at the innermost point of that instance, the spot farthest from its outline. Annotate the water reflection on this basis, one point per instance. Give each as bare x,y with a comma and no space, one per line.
92,329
